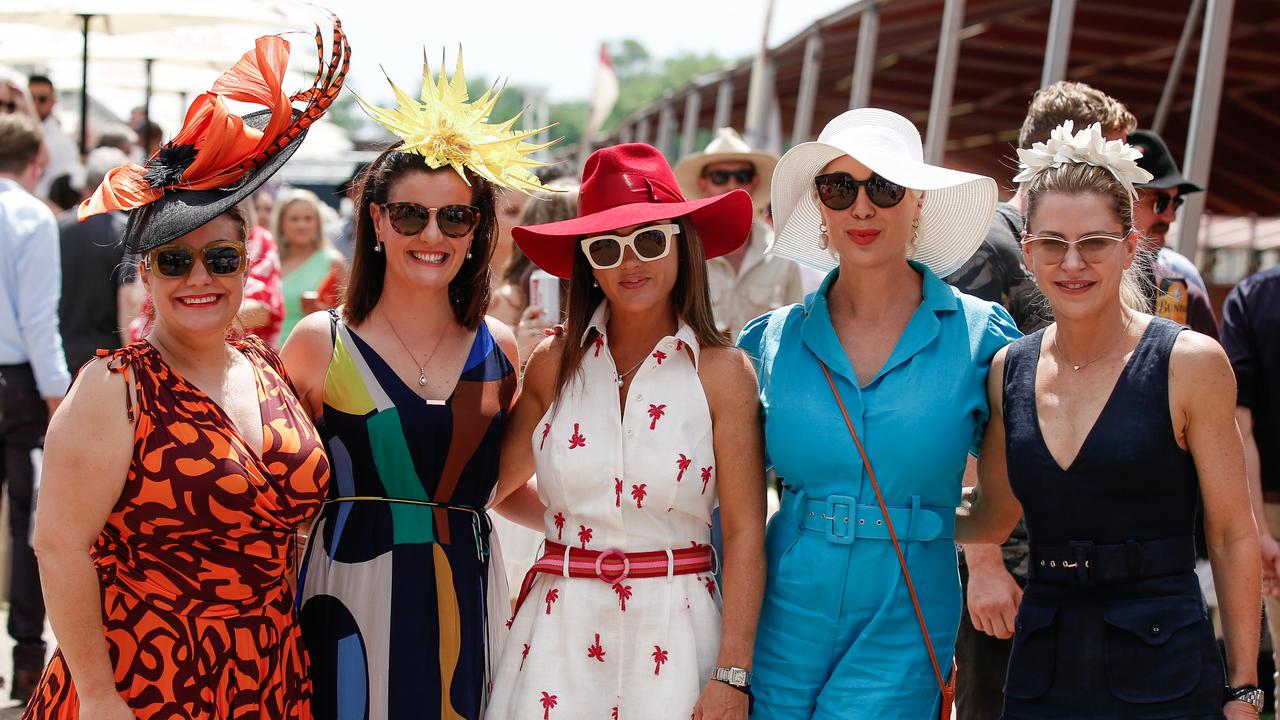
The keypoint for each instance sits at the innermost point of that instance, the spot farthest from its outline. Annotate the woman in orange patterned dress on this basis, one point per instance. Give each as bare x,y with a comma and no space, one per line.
179,468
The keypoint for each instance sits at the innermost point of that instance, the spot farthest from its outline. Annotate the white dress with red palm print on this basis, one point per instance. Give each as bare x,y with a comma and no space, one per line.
641,649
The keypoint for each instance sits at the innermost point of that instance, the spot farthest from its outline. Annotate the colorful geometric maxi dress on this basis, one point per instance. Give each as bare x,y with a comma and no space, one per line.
394,585
642,648
194,558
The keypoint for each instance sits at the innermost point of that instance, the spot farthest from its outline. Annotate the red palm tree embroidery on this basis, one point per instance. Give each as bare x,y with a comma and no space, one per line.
659,659
617,492
659,356
656,412
548,702
595,652
624,594
524,655
706,478
552,596
682,464
559,520
599,343
679,345
711,586
546,430
584,535
614,714
576,440
637,493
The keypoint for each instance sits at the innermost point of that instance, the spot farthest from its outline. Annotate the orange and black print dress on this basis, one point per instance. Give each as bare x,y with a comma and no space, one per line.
193,560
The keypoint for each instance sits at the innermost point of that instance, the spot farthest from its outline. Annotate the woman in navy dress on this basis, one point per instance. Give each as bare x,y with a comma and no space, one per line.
1114,424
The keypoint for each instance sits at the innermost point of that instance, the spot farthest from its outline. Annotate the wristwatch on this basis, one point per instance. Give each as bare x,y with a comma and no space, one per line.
1247,693
734,677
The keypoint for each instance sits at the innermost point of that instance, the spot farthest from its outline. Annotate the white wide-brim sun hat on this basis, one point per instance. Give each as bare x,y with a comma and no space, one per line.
957,210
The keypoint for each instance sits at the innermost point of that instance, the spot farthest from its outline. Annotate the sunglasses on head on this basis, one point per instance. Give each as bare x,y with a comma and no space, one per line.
175,261
648,243
1051,249
454,221
839,190
742,176
1162,200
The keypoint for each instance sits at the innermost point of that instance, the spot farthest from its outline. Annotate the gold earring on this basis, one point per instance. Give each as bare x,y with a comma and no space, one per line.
824,242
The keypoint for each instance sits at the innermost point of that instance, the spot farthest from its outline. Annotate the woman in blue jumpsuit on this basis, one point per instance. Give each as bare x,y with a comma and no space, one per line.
838,635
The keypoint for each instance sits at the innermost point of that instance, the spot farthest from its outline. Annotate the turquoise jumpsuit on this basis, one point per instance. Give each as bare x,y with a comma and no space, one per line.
838,636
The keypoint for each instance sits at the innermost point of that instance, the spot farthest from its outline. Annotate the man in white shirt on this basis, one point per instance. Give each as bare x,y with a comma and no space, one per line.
746,283
33,371
64,156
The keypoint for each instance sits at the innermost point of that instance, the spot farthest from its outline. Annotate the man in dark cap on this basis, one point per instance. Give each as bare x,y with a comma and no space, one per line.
1179,291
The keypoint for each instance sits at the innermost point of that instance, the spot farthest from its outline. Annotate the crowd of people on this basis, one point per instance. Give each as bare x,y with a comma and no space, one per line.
831,435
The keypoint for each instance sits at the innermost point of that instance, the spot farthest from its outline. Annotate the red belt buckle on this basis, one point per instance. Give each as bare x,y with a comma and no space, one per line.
626,566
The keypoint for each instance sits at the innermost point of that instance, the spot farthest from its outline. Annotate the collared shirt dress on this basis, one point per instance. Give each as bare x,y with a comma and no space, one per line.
635,481
838,636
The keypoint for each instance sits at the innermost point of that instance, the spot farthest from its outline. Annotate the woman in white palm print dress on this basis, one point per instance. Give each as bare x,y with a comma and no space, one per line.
639,418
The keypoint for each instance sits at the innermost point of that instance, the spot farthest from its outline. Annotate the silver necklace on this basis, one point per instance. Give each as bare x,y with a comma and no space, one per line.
1077,366
623,376
422,369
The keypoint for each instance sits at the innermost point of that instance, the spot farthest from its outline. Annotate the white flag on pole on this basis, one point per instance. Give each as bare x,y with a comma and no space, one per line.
602,100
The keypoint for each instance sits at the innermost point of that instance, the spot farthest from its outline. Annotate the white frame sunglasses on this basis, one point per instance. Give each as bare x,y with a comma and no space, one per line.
668,230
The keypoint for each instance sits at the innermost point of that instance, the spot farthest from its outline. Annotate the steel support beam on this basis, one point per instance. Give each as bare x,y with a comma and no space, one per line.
1215,40
944,80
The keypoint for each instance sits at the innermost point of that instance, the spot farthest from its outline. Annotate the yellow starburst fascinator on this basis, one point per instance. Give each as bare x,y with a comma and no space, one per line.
448,130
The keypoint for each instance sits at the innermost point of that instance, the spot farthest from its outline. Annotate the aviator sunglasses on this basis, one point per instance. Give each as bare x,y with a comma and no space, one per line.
839,190
175,261
1162,201
1051,249
648,243
742,176
454,221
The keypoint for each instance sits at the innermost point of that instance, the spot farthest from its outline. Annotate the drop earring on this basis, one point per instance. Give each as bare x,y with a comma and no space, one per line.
595,283
377,246
468,253
824,242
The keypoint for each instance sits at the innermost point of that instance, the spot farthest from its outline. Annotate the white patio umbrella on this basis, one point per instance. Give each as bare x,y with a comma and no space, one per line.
119,17
179,62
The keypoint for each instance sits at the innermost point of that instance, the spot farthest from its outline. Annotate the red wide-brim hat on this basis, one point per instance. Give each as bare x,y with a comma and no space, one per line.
632,184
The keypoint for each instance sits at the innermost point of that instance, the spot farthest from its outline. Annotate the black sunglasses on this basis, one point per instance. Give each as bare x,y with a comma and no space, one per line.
175,261
1162,202
839,190
454,221
742,176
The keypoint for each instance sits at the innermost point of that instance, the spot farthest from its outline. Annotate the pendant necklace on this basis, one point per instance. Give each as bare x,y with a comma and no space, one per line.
623,376
1076,367
422,369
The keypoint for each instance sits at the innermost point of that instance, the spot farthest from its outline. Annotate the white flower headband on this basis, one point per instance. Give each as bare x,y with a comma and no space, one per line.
1086,146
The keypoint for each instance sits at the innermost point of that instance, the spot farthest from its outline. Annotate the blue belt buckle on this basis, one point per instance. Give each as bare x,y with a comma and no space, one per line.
836,519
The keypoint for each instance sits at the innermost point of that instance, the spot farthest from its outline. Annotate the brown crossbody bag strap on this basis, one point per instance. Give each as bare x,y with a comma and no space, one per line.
947,687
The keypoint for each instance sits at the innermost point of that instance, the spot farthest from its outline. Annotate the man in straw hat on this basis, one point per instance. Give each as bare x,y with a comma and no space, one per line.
745,283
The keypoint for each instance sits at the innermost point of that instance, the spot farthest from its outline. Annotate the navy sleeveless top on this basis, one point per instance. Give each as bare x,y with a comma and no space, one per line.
1130,479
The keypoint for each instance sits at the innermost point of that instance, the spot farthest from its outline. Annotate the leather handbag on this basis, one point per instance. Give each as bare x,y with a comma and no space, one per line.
946,686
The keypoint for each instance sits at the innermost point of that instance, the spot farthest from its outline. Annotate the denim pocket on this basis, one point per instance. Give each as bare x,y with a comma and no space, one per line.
1031,661
1153,648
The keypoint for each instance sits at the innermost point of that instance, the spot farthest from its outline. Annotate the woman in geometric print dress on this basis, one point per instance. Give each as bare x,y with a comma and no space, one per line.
179,468
410,384
638,418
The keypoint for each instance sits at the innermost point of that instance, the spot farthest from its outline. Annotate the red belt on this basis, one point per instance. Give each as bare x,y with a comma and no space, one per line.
614,566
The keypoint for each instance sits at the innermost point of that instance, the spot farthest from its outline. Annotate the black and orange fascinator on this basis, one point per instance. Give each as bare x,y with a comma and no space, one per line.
219,158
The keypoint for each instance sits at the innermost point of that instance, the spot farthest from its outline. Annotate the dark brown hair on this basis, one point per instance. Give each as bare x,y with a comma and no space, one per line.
690,295
1078,102
469,289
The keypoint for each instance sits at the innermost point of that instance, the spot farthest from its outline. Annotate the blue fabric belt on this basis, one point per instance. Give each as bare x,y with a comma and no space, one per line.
842,519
